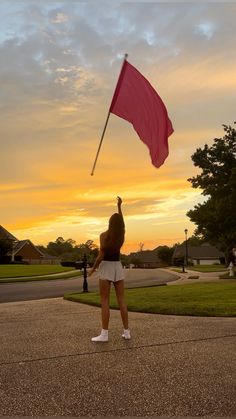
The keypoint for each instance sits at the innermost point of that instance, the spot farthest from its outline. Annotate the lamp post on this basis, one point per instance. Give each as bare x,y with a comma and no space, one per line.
85,283
186,247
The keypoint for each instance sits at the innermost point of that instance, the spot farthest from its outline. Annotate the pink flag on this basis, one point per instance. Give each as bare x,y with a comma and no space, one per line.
136,101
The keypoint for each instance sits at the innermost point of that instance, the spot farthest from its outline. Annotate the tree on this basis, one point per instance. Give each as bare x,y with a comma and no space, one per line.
68,250
195,240
136,261
165,253
60,247
141,246
5,247
125,259
90,249
215,218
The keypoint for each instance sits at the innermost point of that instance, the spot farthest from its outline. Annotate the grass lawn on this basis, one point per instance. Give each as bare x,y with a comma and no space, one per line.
10,271
198,299
65,275
207,268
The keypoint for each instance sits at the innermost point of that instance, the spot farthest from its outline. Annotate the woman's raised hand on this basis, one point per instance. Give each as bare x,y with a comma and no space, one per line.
119,201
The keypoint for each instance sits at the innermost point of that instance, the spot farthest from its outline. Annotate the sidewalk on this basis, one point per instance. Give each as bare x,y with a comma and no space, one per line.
194,276
172,366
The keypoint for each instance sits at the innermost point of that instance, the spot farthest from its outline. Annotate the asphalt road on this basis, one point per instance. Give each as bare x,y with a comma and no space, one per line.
35,290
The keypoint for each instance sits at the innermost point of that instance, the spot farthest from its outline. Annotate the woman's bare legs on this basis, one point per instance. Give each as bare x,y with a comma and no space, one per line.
105,286
119,287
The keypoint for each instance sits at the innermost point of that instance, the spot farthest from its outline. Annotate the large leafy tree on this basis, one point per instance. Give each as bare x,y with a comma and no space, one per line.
216,217
89,248
165,253
5,247
60,246
68,250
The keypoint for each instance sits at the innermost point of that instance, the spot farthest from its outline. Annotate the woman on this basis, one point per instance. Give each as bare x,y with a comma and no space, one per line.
110,270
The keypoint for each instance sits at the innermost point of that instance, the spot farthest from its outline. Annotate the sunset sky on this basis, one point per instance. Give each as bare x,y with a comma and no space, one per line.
59,65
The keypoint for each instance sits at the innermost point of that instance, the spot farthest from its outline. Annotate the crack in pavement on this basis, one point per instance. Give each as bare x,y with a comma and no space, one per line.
52,358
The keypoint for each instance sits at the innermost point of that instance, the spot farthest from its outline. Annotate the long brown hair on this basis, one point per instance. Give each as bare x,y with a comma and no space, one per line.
116,233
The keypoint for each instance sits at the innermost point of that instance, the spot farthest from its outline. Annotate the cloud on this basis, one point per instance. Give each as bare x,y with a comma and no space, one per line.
59,18
59,67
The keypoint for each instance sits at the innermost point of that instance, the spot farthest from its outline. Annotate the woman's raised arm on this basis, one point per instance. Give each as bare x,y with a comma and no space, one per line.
119,202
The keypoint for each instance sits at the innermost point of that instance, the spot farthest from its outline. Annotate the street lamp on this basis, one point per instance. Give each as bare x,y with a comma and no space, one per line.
186,247
85,283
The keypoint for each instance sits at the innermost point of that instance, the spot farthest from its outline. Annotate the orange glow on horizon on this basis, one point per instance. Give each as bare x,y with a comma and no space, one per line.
58,79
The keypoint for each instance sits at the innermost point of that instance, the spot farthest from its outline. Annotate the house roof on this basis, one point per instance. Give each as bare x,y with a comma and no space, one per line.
205,251
21,243
147,256
4,234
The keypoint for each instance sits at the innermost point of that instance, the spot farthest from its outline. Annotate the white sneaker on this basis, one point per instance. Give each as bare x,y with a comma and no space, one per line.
103,337
126,334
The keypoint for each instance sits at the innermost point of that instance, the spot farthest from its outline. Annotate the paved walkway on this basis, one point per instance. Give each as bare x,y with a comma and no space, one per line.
173,366
194,276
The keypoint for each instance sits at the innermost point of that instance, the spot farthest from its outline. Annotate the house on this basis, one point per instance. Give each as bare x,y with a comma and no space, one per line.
26,251
146,259
5,235
197,255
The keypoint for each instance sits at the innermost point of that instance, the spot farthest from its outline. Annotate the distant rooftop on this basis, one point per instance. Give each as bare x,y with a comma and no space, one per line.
146,256
205,251
5,235
21,243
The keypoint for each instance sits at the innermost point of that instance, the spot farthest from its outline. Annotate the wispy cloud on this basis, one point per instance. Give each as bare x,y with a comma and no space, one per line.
59,66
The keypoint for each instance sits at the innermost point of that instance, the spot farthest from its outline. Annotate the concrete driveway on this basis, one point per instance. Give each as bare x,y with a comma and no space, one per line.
173,366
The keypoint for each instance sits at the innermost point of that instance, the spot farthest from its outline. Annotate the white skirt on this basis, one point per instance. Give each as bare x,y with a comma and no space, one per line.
111,270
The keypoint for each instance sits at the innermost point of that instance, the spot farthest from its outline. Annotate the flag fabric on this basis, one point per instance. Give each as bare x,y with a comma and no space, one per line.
136,101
